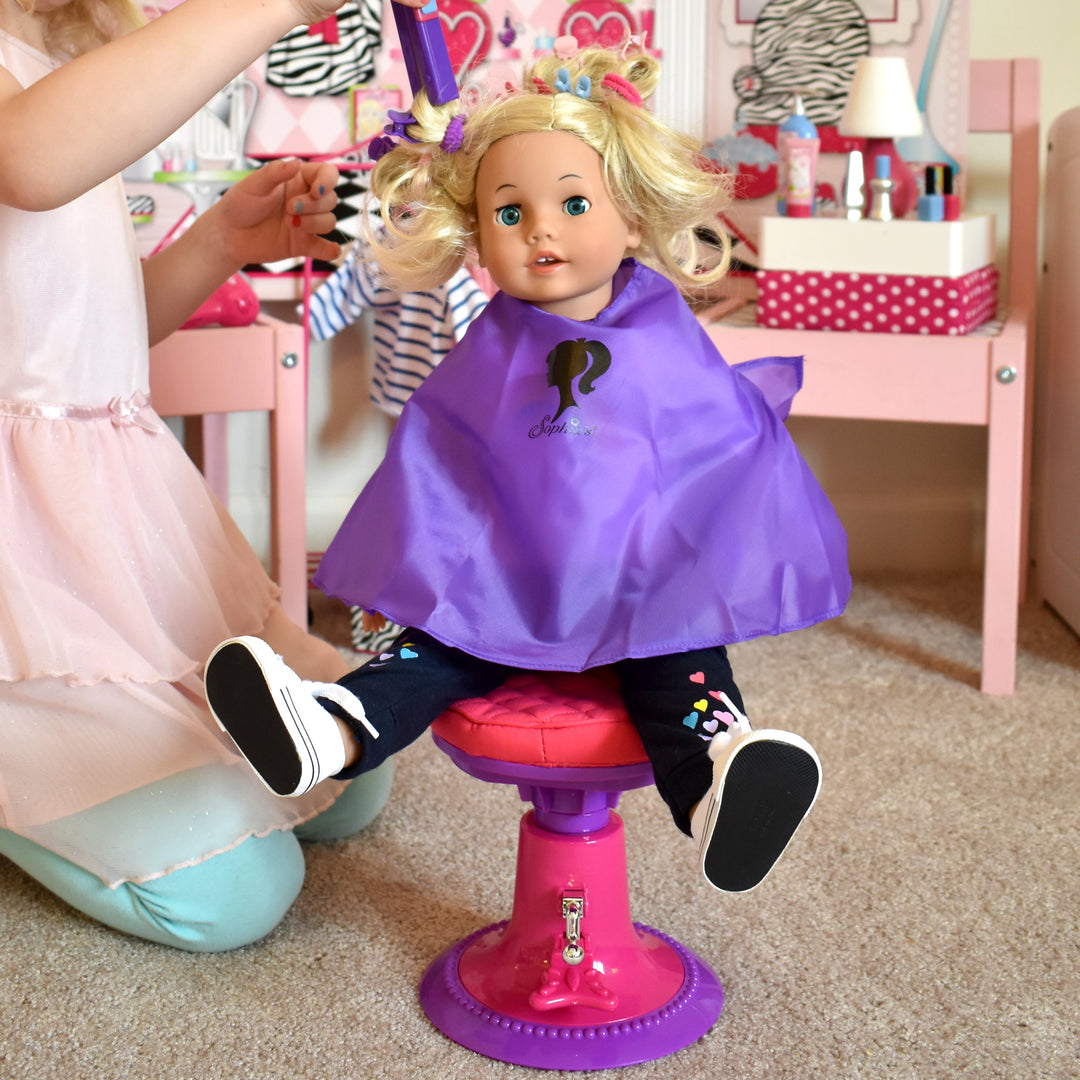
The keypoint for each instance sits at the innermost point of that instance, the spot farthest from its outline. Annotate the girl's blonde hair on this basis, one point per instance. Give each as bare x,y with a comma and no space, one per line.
83,25
657,177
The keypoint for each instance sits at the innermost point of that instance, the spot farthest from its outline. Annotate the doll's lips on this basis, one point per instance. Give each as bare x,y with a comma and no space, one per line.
545,263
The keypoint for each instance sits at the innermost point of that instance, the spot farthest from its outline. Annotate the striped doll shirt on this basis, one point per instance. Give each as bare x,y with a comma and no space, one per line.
412,331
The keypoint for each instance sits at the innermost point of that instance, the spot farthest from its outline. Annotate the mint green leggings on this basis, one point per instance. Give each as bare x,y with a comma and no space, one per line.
229,900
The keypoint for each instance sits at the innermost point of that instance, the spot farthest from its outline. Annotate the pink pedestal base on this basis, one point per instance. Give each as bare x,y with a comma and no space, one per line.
509,992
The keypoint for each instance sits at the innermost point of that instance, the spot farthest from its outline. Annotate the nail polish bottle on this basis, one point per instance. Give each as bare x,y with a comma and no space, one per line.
931,204
854,197
882,185
950,202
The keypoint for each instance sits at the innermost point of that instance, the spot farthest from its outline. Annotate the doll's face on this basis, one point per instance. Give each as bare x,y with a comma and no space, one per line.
547,229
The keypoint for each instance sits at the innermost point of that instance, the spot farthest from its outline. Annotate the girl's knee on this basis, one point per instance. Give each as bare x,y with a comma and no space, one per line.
227,901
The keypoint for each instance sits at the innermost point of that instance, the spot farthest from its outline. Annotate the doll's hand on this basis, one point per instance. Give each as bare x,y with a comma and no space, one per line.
279,211
313,11
371,622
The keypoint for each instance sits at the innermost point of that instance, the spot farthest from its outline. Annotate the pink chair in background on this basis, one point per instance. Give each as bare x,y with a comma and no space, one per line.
977,379
206,373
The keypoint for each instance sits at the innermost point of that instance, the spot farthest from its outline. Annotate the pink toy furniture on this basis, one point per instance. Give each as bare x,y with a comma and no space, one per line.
568,982
204,374
976,379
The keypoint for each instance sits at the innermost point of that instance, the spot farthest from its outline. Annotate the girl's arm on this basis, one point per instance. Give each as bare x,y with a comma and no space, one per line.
101,112
275,213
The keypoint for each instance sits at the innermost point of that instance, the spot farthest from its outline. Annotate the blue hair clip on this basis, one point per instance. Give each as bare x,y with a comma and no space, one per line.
562,84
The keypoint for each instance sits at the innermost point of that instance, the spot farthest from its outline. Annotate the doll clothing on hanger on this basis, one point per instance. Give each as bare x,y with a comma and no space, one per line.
413,331
119,570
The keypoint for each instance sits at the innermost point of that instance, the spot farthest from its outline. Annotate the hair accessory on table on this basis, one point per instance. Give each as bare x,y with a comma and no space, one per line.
383,144
562,84
451,141
623,87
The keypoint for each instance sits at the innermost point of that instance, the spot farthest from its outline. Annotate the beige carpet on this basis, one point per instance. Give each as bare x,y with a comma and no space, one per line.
924,923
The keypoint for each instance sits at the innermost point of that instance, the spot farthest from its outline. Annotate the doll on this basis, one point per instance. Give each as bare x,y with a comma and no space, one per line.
583,481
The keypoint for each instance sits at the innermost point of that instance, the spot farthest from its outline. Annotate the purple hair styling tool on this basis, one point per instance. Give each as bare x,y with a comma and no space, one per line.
427,62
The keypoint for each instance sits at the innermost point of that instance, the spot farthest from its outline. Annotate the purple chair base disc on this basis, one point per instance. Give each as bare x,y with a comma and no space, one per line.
472,1024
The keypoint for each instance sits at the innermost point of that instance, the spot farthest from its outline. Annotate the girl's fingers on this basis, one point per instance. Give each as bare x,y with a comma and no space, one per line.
315,223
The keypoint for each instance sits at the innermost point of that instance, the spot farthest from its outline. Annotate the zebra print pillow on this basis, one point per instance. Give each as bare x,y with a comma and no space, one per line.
331,56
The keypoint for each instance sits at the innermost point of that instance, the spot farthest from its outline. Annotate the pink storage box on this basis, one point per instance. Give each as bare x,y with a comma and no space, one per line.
880,303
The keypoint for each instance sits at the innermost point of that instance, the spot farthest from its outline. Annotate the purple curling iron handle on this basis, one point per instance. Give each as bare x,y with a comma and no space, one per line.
424,48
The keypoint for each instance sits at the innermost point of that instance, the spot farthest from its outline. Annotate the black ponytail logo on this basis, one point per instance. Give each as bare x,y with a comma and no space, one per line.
570,359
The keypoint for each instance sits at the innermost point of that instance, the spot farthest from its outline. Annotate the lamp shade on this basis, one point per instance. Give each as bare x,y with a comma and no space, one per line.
881,103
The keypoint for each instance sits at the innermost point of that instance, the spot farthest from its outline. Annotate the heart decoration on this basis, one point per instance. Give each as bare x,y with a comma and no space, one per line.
701,705
691,720
407,653
468,34
711,726
598,22
698,677
716,694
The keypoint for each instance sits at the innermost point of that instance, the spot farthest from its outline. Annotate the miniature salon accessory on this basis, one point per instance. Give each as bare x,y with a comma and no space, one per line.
882,187
451,141
949,198
854,190
931,204
581,89
396,129
880,108
566,47
797,144
623,87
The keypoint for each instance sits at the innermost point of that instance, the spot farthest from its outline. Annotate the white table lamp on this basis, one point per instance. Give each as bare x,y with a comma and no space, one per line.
880,108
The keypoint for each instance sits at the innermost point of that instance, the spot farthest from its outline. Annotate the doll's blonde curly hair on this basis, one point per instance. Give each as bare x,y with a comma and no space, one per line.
656,176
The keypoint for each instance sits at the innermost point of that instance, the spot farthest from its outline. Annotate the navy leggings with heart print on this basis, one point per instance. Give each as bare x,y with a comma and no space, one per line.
673,701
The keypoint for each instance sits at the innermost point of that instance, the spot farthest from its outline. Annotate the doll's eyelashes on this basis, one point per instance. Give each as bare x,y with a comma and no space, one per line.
508,215
576,205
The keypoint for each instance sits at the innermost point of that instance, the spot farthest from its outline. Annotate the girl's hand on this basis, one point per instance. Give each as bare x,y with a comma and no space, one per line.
278,212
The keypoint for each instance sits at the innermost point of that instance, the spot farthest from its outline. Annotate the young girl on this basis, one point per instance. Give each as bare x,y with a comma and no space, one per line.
118,569
583,481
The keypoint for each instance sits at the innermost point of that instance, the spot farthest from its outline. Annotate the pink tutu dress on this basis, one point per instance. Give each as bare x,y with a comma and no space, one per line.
119,570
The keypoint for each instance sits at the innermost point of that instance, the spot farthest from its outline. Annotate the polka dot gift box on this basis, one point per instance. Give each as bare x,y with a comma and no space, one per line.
878,303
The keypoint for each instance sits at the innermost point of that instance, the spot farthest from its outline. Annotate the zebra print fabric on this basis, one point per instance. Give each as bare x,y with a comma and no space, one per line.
808,47
331,56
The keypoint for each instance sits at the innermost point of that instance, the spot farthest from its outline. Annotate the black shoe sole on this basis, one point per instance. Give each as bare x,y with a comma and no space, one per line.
246,709
769,787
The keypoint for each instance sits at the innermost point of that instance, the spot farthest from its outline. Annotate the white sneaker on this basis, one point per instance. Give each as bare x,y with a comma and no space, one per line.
764,783
271,714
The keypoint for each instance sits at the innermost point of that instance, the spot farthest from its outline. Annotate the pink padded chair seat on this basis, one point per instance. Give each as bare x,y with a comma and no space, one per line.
553,718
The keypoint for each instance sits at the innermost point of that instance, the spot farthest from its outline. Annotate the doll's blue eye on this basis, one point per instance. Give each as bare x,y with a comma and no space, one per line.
576,204
508,215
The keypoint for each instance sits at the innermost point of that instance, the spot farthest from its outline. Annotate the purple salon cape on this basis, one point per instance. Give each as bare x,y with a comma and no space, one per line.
562,494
